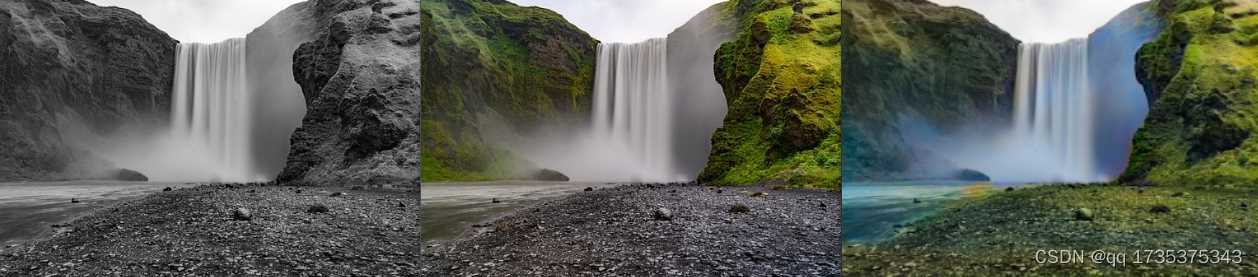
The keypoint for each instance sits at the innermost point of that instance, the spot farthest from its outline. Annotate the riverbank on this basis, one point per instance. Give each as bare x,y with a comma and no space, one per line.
998,234
195,231
621,231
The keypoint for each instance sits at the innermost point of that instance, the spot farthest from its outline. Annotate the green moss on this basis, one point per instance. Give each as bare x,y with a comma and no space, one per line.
1201,75
526,64
783,90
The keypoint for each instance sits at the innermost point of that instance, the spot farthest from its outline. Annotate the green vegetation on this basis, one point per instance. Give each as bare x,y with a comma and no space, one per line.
945,65
1201,75
997,233
526,64
781,79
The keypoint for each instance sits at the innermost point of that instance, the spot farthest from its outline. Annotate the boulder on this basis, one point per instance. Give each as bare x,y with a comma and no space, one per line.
742,209
242,214
972,175
314,209
662,214
550,175
1084,214
130,175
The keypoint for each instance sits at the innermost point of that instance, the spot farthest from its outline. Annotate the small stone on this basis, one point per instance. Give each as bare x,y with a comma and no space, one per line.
495,200
74,200
1160,209
916,201
823,204
589,189
740,209
167,189
317,209
337,194
1179,194
663,214
1084,214
401,205
759,194
1009,189
242,214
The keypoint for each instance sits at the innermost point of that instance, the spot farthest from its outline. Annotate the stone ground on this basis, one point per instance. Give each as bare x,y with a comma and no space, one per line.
194,232
616,232
999,234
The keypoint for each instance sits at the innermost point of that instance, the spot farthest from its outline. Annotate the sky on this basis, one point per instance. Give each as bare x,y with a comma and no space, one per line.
203,20
1046,20
624,20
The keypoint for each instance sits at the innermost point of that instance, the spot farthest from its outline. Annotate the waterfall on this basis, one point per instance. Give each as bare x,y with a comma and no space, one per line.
210,109
1053,107
632,113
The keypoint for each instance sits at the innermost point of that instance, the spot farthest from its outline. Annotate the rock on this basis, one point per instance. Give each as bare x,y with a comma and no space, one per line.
1179,194
495,200
742,209
401,205
1160,209
337,194
1244,207
916,201
167,189
242,214
298,191
1009,189
823,204
130,175
74,200
589,189
316,209
550,175
972,176
1084,214
759,194
662,214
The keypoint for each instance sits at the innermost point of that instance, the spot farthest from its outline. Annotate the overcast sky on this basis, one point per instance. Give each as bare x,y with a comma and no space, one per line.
1046,20
624,20
203,20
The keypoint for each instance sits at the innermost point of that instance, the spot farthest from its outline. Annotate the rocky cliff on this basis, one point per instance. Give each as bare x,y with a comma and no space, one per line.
1201,80
69,64
781,79
944,65
494,61
360,79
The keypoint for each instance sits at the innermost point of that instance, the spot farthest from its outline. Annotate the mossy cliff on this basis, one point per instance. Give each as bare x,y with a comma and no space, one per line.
1201,79
491,59
781,78
946,65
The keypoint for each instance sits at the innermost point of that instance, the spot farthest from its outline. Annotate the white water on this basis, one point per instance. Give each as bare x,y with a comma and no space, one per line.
633,109
210,114
1054,106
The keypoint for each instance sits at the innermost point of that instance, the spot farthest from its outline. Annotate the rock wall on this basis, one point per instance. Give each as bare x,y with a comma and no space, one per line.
946,65
69,64
360,80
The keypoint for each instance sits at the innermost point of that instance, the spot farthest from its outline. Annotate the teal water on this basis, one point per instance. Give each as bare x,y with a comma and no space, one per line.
872,210
449,208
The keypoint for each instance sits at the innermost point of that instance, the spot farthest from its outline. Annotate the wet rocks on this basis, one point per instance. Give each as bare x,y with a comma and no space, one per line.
242,214
1084,214
662,214
742,209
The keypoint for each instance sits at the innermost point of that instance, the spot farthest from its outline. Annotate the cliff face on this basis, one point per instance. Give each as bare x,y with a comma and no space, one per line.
699,100
360,78
277,98
781,79
491,60
69,64
946,65
1201,80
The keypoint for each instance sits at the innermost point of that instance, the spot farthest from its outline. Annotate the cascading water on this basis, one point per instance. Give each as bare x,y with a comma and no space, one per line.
1053,106
633,107
210,110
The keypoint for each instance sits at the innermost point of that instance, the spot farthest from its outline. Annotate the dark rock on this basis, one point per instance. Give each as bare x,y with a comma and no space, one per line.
823,204
298,191
915,201
130,175
242,214
74,200
1179,194
759,194
1160,209
401,205
589,189
337,194
1244,207
1009,189
495,200
550,175
167,189
662,214
319,208
742,209
972,176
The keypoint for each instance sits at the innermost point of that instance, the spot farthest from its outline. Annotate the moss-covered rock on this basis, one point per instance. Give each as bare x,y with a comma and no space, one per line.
781,79
1201,79
525,66
947,64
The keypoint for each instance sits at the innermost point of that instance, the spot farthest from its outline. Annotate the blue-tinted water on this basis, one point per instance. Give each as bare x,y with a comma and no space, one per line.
871,210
